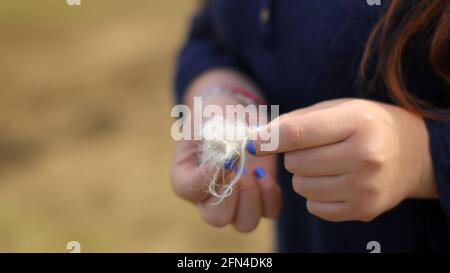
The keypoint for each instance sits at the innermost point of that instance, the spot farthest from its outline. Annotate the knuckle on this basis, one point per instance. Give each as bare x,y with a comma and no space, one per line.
367,219
367,117
295,132
356,210
290,162
181,189
368,188
357,103
328,216
360,105
185,189
311,208
245,228
363,212
217,221
177,184
367,216
299,186
178,187
367,192
363,111
373,156
335,218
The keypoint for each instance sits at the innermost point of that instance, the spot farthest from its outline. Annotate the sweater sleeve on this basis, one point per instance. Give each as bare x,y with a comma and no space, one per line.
439,137
439,132
201,51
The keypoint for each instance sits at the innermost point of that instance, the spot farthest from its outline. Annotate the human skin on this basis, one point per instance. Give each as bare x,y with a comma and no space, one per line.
351,159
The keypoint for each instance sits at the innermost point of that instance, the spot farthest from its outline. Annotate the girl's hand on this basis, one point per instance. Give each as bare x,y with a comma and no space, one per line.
256,195
355,159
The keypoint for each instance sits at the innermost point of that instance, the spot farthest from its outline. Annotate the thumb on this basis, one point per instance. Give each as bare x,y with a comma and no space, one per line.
264,140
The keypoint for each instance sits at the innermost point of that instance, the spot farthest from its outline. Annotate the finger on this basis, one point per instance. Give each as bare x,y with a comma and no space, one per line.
270,193
189,180
249,208
322,189
333,159
300,130
219,214
330,211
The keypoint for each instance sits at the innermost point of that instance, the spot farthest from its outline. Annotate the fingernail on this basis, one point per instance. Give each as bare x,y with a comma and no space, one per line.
251,147
228,163
238,170
259,172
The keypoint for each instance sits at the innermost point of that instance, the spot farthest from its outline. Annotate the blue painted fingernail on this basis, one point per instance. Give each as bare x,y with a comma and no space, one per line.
238,170
228,163
251,147
260,172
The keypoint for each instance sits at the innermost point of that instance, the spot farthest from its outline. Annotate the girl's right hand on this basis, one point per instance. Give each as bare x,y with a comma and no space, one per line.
256,195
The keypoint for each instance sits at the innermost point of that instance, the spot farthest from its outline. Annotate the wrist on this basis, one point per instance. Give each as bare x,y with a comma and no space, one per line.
224,79
426,187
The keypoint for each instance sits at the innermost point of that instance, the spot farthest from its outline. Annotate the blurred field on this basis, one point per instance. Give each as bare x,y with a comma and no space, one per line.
85,130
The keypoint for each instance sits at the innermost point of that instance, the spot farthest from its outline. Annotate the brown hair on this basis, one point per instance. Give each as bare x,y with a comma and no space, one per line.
425,23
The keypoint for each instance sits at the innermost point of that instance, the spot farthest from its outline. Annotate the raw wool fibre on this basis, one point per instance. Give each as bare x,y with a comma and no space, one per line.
223,141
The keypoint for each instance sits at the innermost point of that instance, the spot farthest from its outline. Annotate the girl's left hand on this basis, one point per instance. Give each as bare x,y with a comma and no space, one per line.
354,159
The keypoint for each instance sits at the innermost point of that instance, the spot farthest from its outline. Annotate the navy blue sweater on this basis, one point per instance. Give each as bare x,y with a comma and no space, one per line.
302,52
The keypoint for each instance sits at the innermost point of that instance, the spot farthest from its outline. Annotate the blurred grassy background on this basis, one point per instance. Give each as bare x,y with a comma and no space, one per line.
85,130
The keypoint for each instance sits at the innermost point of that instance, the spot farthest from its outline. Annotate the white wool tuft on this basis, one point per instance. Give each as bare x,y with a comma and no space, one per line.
223,140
